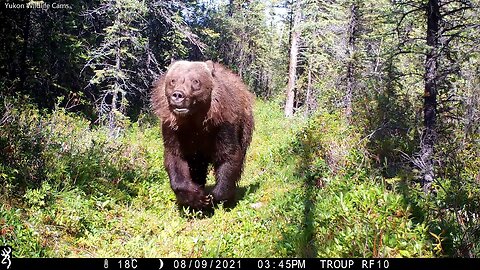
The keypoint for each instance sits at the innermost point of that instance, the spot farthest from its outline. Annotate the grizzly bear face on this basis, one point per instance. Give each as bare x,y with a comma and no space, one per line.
188,87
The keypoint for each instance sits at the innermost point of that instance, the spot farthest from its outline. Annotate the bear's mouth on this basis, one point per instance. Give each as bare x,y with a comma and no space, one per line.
180,111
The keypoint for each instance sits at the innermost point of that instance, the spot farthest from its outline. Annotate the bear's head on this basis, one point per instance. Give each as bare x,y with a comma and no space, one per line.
188,87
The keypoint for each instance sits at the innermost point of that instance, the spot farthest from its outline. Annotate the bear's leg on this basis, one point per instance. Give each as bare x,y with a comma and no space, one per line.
198,170
227,174
186,191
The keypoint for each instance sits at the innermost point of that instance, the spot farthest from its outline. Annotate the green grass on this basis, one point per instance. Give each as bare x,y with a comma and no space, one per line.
112,199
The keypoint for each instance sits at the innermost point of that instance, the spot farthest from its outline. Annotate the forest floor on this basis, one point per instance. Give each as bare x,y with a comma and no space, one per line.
277,213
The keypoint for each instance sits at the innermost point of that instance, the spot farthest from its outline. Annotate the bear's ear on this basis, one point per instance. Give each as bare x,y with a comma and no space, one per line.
210,66
172,62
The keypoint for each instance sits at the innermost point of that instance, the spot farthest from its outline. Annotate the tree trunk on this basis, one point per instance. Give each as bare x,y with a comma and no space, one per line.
309,92
23,61
351,49
231,7
292,69
430,97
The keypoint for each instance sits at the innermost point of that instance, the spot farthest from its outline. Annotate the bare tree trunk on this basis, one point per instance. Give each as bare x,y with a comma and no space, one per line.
351,49
309,91
292,69
231,7
26,37
112,113
430,97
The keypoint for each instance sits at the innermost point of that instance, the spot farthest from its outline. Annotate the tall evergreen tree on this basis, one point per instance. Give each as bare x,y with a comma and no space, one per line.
116,62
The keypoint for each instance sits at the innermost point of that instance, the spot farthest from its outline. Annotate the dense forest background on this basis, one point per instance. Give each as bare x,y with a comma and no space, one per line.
367,140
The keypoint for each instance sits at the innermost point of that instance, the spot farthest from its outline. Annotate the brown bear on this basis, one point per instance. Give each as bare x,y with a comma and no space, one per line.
206,116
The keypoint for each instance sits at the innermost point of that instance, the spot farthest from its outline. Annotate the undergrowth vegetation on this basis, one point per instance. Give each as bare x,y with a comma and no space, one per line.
310,189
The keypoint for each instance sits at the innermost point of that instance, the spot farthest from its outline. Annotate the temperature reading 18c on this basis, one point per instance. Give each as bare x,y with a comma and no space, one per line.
127,264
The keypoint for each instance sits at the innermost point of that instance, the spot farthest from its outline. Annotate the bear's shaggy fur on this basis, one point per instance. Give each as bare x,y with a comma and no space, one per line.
206,116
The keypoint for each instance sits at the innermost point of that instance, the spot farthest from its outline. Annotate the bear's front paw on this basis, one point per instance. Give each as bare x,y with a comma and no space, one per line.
195,197
222,194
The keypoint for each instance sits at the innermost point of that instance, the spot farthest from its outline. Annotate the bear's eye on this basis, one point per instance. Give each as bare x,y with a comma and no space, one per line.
195,82
172,82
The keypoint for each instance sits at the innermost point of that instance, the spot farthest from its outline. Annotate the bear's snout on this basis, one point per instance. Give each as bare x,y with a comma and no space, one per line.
177,97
